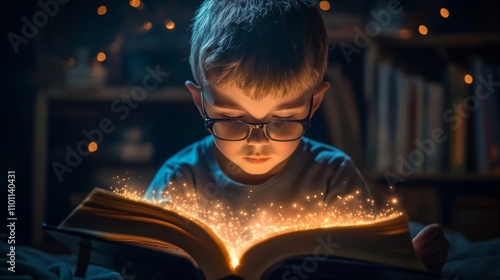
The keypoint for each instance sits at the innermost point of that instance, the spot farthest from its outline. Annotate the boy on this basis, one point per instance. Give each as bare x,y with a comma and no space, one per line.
258,67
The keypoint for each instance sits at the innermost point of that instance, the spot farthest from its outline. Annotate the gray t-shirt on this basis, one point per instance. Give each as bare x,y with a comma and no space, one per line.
313,170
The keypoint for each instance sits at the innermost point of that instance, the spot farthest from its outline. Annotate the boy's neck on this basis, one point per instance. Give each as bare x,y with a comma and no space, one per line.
239,175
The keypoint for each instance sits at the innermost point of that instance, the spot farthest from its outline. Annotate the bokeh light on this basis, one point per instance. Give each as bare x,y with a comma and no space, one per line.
422,29
170,25
135,3
92,147
324,5
102,10
101,57
147,25
444,12
468,79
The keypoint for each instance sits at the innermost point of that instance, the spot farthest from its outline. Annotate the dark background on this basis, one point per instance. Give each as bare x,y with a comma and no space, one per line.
44,61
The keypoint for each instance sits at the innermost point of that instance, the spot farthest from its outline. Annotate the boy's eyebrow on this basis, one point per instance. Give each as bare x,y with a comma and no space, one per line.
296,104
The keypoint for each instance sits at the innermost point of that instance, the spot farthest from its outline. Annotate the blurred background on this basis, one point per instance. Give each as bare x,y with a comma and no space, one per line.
93,96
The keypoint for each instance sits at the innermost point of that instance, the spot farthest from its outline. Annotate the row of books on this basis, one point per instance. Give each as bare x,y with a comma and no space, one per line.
417,125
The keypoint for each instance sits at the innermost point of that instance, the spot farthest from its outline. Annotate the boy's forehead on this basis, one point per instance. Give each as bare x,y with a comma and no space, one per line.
237,98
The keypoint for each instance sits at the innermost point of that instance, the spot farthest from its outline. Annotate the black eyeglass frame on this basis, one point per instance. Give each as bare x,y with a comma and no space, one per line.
210,122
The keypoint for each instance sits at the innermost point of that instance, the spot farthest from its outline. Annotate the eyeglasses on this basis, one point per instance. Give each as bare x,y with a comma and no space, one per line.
238,130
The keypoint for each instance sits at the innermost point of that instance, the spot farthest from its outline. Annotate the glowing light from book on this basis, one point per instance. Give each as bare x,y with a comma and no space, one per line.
92,147
147,25
444,12
101,56
468,79
102,10
422,29
135,3
240,229
170,25
324,5
394,200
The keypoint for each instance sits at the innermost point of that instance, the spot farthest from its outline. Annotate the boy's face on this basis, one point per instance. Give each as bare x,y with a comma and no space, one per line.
257,157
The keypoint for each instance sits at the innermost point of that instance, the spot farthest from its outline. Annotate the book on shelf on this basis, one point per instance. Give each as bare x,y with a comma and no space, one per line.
370,99
431,98
107,225
486,116
457,119
384,114
418,124
435,124
342,114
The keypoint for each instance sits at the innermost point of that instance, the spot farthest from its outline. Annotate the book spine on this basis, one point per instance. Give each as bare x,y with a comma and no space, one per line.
384,146
494,125
457,120
434,111
479,118
370,98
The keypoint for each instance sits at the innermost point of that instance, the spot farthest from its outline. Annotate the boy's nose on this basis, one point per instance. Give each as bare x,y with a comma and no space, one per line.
257,136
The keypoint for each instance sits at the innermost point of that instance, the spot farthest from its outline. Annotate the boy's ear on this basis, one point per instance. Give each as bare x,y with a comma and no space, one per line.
318,96
195,93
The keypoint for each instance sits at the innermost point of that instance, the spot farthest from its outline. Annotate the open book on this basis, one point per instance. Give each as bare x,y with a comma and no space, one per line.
105,218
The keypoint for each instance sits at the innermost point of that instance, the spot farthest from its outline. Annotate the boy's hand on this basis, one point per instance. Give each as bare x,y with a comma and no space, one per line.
431,247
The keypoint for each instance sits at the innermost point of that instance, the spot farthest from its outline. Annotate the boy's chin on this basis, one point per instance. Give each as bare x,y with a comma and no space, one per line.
257,170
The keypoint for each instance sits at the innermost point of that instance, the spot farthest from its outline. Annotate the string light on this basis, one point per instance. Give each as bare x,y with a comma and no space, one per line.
324,5
444,12
101,56
135,3
92,147
102,10
422,29
468,79
170,25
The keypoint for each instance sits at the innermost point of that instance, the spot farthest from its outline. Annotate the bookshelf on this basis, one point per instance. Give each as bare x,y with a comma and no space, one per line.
129,154
433,126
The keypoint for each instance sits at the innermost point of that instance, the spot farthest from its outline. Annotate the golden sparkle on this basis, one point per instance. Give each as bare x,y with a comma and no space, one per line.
239,229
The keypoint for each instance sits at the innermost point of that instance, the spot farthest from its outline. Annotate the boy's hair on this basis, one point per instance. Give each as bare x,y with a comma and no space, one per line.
265,47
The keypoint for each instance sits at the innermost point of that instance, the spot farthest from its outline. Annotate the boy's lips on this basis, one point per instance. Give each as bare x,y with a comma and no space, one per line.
256,160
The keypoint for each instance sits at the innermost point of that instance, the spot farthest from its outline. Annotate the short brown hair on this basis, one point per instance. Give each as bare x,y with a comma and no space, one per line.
265,47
